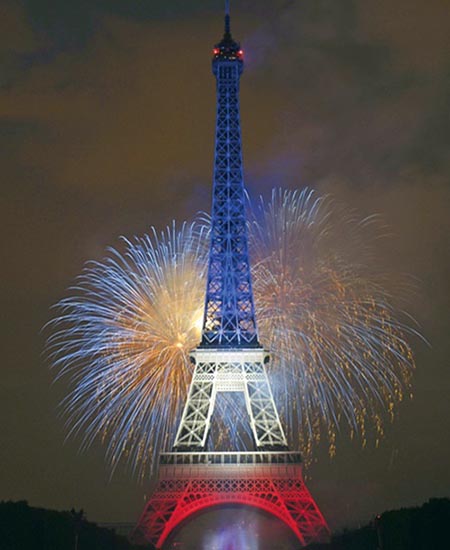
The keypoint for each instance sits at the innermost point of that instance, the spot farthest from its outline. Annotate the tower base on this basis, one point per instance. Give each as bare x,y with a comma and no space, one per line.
190,482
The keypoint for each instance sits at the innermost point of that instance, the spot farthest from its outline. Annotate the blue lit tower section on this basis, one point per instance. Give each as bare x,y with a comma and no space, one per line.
229,319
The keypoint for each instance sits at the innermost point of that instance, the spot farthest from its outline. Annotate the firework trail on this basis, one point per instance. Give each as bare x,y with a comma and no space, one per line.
122,339
339,352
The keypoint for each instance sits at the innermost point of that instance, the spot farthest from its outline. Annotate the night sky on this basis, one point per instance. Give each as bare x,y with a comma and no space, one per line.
106,127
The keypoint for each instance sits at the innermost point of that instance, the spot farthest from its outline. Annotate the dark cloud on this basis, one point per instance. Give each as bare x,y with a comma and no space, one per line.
342,77
106,126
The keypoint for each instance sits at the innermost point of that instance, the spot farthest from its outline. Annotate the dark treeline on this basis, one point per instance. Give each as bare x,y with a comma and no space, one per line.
23,527
422,528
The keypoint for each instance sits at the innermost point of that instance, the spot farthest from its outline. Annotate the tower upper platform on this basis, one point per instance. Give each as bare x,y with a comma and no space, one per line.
227,49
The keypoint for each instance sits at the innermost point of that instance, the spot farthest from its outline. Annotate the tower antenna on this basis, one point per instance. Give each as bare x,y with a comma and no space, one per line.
227,19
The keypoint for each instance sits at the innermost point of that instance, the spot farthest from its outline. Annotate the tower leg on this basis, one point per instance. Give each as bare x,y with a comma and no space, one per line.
264,419
196,418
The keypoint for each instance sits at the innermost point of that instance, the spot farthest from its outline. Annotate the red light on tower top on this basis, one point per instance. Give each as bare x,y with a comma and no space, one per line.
228,49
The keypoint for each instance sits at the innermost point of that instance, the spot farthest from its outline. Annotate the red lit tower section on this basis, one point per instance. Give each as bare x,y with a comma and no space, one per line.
229,359
191,482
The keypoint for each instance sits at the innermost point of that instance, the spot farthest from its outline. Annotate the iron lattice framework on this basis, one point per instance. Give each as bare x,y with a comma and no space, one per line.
191,482
229,359
229,319
230,370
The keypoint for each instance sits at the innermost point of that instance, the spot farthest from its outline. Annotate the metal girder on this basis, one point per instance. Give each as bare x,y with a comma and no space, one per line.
229,310
186,487
238,370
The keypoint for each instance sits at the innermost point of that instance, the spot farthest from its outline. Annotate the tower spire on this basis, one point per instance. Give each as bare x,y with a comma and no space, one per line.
227,20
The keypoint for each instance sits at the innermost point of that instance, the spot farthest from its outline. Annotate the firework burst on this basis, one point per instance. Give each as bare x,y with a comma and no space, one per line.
339,352
122,339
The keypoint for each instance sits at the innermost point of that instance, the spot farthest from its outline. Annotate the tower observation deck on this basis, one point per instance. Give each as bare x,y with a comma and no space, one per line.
229,358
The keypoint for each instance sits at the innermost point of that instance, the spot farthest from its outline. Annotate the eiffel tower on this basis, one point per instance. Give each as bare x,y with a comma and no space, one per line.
229,359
